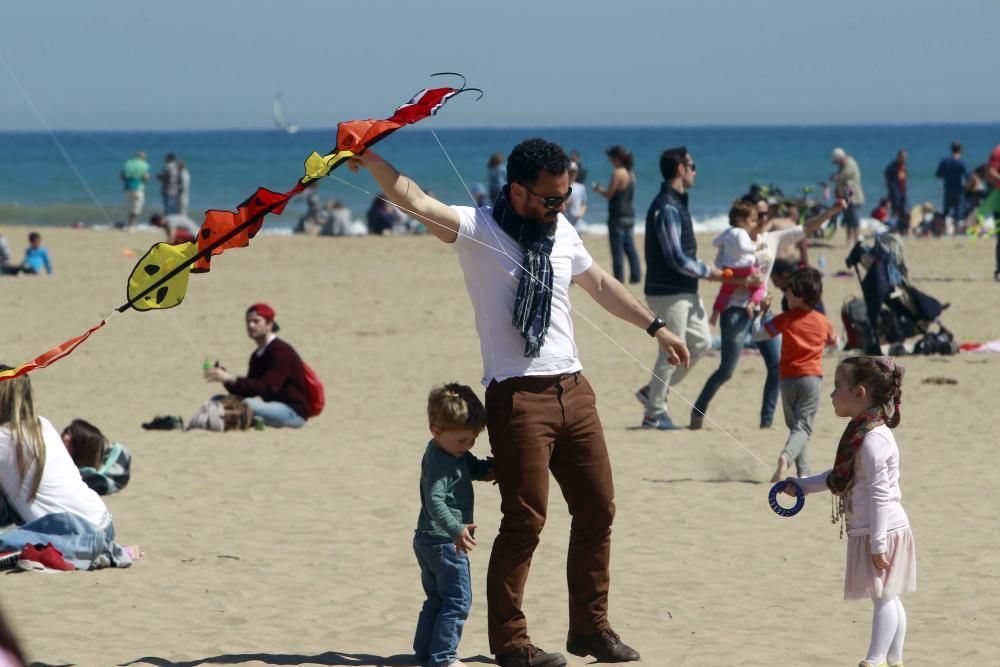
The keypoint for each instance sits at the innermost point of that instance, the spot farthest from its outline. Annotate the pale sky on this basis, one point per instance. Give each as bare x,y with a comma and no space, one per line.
211,64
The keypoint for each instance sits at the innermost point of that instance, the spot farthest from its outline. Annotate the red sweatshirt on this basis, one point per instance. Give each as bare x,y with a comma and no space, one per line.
275,375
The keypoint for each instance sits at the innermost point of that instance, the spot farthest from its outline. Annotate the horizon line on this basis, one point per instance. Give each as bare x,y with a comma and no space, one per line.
692,126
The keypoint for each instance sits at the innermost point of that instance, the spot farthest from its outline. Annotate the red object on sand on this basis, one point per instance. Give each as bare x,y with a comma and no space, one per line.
48,556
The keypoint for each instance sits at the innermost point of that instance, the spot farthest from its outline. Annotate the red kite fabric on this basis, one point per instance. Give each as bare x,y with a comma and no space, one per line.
159,279
236,229
52,356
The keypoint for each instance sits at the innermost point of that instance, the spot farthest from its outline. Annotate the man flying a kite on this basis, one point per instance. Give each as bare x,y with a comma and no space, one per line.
519,258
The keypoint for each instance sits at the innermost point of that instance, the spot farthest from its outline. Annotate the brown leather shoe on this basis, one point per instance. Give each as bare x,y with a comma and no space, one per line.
530,656
605,645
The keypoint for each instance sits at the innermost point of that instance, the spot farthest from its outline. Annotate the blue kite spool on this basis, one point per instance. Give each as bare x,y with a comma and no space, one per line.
800,499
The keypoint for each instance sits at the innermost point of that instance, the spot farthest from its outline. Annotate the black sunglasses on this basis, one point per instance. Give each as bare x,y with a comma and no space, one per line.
692,167
550,202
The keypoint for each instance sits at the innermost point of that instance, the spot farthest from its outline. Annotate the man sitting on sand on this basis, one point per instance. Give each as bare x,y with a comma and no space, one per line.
275,386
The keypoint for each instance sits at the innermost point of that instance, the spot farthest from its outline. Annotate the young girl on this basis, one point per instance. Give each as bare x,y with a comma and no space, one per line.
881,554
737,252
105,467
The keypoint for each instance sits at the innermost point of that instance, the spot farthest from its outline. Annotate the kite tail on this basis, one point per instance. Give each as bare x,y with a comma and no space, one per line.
53,355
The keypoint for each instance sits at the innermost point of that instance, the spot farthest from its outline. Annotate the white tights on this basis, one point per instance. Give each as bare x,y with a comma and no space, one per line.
888,631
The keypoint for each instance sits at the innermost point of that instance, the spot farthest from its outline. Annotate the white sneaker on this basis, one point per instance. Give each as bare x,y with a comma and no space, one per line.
457,663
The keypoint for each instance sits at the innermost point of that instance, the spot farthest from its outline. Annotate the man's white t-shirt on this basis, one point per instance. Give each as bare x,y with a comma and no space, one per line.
61,489
491,263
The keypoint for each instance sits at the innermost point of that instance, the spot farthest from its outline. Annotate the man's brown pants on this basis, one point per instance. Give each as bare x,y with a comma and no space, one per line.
537,424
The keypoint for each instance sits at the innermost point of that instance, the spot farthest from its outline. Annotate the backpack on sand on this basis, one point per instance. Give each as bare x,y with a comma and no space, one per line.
315,393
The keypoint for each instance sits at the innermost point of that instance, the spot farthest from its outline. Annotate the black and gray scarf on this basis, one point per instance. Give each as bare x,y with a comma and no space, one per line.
534,292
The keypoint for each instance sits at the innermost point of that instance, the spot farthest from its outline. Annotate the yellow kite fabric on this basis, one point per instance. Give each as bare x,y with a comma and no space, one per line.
164,264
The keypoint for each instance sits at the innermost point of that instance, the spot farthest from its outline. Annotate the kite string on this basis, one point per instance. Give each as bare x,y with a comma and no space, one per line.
503,251
55,139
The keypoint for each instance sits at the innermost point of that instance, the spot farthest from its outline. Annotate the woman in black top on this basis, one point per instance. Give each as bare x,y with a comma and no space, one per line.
621,214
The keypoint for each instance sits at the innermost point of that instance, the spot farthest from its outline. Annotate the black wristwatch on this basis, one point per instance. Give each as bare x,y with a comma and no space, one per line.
655,326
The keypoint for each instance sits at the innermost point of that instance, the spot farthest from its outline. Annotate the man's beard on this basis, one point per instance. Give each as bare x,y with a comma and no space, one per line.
548,226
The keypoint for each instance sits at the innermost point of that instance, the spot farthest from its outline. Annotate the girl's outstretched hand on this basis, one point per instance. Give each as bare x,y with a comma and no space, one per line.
880,561
789,488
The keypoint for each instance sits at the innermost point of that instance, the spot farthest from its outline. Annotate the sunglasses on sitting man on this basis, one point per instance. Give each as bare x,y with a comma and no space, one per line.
550,202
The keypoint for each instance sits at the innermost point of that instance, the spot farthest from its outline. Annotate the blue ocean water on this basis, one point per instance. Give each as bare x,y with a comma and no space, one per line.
227,166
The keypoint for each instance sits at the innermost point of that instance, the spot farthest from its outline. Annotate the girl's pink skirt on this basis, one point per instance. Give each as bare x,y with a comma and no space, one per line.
863,580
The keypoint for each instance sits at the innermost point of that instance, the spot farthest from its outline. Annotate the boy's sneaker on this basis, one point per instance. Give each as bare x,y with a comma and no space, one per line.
661,422
8,560
531,656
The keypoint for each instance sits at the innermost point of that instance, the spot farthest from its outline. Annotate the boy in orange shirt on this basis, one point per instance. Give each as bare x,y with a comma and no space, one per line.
805,332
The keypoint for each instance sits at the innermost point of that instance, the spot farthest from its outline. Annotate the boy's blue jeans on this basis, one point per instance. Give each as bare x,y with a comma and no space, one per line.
444,573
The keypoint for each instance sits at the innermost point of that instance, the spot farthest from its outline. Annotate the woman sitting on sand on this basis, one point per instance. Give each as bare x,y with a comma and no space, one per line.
42,491
105,467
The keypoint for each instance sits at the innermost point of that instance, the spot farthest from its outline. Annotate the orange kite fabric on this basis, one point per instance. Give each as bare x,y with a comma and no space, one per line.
52,356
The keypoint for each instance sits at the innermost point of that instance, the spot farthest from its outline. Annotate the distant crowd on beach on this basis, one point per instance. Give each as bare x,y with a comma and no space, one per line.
964,192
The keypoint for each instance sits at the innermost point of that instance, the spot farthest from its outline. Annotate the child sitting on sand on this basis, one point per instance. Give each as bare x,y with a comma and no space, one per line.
105,467
805,332
444,534
736,257
36,256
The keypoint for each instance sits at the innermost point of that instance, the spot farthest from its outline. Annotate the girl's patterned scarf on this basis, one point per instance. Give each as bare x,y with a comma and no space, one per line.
842,476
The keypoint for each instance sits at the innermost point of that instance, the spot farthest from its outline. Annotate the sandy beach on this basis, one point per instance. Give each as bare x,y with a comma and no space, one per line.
289,547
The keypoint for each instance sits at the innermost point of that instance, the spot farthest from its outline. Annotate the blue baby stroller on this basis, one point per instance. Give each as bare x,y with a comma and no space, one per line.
894,310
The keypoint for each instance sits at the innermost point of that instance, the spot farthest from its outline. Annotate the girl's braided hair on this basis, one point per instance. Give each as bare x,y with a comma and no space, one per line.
882,378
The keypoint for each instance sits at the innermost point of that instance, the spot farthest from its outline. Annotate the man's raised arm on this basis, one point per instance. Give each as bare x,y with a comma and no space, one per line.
441,220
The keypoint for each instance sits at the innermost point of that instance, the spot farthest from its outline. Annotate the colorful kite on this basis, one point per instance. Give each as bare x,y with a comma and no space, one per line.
159,280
